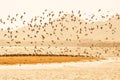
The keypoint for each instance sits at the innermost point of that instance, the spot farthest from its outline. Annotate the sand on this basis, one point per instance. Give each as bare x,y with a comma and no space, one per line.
97,70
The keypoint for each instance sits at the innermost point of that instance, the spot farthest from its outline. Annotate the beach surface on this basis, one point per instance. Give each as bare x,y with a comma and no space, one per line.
95,70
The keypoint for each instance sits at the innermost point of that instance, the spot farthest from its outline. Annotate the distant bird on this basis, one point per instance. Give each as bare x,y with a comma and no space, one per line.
99,10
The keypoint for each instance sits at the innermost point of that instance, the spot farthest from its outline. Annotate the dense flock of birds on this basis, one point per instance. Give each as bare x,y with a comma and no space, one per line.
66,29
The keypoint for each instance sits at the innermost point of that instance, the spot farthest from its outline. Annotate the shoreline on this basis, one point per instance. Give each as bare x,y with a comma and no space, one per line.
11,60
56,65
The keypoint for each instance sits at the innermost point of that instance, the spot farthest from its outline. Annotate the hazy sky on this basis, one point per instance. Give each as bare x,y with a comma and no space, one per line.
35,7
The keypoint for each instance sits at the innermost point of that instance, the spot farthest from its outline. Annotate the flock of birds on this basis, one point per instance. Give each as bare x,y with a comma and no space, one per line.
66,30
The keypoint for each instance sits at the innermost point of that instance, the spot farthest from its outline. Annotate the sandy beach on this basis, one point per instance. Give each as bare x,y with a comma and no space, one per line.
97,70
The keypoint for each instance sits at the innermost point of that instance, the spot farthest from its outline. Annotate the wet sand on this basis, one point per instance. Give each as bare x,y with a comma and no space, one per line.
8,60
